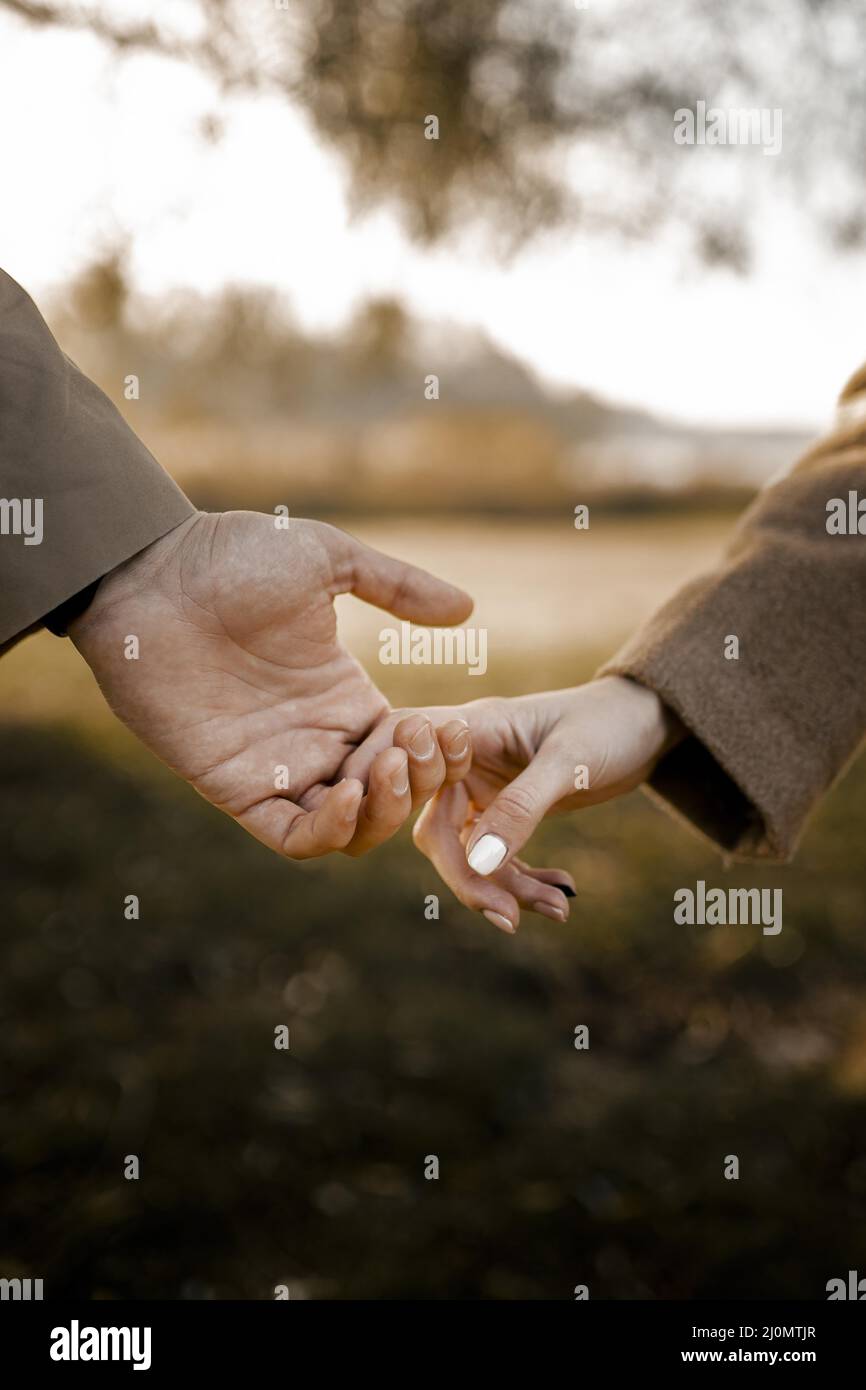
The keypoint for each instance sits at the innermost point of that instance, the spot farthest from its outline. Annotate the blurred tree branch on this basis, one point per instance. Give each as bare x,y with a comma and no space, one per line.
138,36
212,50
548,114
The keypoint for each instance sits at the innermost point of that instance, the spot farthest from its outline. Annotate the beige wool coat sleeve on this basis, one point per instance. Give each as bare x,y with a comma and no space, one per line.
769,732
102,496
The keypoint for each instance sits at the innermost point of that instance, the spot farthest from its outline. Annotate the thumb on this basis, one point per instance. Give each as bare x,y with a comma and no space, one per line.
400,588
509,821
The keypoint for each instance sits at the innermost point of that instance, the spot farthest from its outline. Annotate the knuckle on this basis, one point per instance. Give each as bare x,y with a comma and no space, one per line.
384,823
288,848
517,803
473,899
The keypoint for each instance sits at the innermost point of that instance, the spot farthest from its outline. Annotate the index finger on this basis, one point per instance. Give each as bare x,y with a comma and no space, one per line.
437,835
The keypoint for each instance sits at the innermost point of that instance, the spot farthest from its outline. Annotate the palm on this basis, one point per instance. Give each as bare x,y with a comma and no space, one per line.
241,684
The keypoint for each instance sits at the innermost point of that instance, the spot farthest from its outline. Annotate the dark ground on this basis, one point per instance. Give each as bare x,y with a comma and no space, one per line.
411,1038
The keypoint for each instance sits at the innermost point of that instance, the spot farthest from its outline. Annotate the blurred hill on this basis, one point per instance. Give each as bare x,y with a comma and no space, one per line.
246,409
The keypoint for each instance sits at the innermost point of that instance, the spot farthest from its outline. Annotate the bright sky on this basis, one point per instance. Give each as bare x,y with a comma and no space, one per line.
93,147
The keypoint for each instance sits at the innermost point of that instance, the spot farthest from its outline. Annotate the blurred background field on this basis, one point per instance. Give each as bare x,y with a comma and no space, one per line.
412,1037
239,231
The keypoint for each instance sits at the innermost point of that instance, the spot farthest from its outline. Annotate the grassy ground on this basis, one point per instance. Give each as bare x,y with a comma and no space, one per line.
409,1038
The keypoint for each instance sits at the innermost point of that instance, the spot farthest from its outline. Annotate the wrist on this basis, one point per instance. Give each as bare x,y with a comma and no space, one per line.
59,621
128,582
661,729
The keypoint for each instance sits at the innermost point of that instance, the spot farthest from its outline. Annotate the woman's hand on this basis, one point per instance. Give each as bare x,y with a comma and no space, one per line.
558,751
217,646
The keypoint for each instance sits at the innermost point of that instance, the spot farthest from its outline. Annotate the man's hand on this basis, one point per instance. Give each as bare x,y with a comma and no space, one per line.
239,674
557,751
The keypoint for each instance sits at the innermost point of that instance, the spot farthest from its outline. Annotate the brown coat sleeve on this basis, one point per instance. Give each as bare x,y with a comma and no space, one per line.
769,732
63,445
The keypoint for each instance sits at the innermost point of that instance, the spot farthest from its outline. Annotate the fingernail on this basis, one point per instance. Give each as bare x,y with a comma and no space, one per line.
556,914
487,854
499,921
351,810
423,743
400,781
459,746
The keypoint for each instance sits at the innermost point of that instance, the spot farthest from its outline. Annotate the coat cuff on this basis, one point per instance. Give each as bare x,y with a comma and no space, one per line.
95,495
702,780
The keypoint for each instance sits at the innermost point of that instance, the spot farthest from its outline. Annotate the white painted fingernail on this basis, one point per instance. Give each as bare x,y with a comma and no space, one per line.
487,854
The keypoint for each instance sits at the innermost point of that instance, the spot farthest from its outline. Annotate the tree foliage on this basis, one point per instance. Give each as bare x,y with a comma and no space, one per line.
548,113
